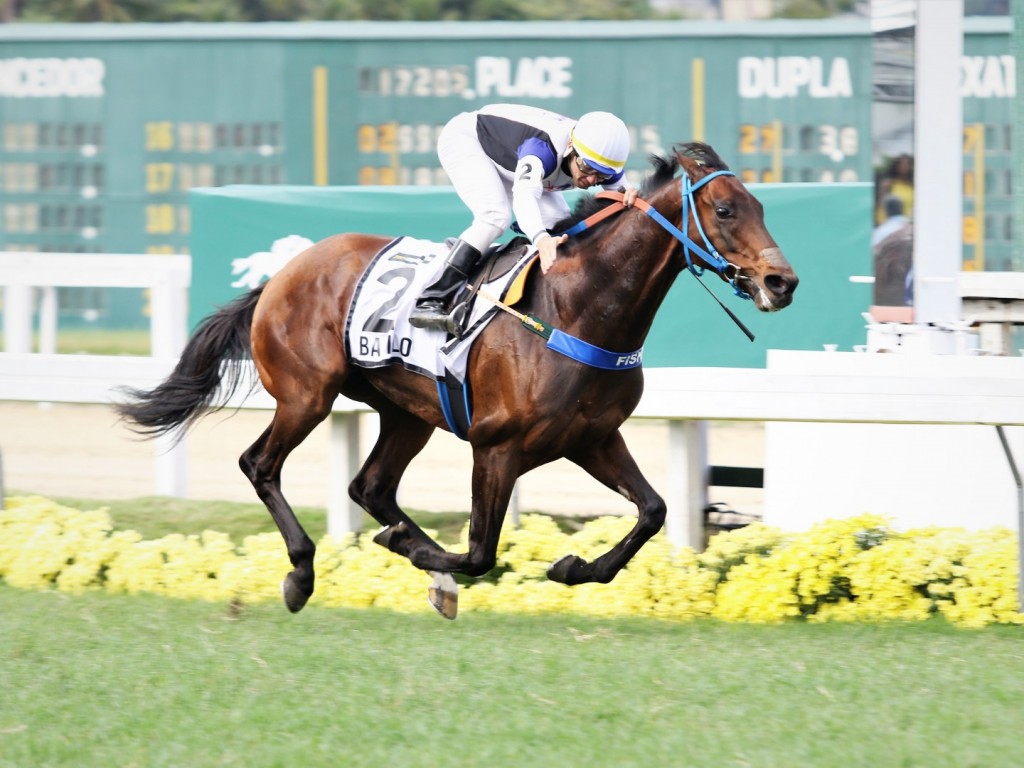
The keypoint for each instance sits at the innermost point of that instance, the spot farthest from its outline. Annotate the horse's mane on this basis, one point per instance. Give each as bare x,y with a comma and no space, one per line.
663,171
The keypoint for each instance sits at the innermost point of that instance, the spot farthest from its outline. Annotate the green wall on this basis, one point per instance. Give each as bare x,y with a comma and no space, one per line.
105,128
820,228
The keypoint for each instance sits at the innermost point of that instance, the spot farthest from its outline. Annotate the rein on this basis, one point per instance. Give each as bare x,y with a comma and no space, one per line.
589,354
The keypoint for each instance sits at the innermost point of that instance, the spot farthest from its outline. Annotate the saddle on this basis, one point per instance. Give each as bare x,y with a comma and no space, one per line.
496,262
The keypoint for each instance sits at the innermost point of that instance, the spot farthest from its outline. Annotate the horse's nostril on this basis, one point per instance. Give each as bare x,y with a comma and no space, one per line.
780,285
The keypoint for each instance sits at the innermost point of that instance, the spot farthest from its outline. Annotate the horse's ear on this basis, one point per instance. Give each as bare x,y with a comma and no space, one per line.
698,159
702,154
691,166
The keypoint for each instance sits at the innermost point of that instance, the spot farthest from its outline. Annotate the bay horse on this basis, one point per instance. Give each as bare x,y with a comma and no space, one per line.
531,405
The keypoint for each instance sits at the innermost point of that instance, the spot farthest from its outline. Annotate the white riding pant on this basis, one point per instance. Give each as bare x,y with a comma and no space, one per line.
482,187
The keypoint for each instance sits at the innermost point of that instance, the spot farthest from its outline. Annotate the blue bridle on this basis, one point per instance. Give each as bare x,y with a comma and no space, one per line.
708,253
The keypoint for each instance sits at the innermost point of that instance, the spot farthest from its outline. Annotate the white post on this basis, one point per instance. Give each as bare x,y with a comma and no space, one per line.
168,334
343,514
168,320
513,506
48,321
938,161
171,467
687,482
18,319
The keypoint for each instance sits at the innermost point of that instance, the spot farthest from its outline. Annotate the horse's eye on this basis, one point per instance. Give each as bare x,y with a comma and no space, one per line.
722,212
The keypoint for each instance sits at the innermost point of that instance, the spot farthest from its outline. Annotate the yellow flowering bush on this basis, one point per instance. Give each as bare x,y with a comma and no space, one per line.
798,579
854,569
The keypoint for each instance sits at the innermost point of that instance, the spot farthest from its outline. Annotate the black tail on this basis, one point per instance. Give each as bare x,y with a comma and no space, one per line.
215,353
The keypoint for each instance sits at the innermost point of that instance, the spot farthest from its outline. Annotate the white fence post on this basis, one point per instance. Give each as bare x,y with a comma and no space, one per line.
18,318
168,316
343,514
48,311
167,276
171,459
687,483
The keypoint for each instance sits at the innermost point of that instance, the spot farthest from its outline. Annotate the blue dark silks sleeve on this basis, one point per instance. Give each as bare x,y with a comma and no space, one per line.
539,148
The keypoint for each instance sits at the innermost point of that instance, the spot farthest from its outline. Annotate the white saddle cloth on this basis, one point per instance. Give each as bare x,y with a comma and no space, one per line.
377,331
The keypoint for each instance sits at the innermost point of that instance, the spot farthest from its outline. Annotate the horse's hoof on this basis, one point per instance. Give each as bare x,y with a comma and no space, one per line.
295,598
443,594
390,536
568,570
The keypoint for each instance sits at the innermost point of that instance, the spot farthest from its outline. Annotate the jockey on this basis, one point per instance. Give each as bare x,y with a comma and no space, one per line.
512,159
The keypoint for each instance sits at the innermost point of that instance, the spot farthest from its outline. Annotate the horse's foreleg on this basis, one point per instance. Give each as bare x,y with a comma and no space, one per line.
612,464
262,463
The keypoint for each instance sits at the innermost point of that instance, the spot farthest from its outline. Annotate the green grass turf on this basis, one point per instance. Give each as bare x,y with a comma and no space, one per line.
107,680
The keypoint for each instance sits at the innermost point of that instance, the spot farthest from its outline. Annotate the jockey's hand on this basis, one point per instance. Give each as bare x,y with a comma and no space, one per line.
629,196
548,250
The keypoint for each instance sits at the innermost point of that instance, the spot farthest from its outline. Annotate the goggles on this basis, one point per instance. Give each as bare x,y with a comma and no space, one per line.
588,170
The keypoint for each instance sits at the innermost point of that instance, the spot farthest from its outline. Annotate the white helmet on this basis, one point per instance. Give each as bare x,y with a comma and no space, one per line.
602,140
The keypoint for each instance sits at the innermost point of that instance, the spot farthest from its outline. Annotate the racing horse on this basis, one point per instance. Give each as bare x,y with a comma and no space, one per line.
531,405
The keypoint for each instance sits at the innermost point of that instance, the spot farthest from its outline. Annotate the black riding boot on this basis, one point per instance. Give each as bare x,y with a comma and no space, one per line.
432,306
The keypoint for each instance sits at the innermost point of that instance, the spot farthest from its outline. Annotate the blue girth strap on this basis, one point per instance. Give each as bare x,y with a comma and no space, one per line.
595,357
454,397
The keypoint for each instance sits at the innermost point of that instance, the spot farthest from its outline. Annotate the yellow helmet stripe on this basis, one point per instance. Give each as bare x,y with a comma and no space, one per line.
618,165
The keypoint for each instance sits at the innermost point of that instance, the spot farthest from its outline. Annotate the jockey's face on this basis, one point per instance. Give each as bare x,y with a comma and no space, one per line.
583,176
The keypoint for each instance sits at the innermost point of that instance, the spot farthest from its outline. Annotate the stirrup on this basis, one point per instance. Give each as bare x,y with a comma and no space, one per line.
456,319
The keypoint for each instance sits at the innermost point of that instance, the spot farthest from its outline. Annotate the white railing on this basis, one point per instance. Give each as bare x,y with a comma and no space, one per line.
986,392
167,277
97,379
796,387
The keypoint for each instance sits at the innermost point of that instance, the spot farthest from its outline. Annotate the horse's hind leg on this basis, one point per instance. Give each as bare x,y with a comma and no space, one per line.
402,437
494,475
375,488
262,463
612,464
